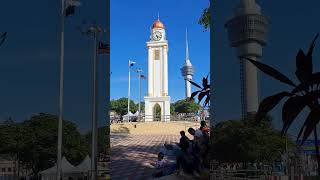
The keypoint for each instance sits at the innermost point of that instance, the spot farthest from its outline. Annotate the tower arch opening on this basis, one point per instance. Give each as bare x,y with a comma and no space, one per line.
157,112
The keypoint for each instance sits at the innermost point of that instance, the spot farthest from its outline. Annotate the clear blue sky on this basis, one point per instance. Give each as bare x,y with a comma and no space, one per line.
293,26
130,30
29,65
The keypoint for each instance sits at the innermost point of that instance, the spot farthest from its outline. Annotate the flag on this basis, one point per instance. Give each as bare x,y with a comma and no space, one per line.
131,63
71,6
103,48
143,77
3,37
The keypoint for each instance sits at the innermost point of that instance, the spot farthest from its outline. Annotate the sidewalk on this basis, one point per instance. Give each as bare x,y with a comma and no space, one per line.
131,155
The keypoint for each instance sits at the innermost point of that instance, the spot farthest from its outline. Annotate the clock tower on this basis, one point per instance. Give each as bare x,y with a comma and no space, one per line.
157,75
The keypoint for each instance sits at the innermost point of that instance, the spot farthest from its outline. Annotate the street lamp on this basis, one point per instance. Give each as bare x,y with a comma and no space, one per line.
139,71
94,30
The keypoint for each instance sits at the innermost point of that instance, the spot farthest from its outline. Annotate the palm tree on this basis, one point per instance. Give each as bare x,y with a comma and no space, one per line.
203,92
3,37
305,94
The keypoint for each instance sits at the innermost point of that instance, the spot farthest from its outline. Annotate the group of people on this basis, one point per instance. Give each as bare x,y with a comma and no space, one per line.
189,156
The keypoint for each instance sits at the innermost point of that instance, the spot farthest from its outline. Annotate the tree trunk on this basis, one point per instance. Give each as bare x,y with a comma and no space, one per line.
317,148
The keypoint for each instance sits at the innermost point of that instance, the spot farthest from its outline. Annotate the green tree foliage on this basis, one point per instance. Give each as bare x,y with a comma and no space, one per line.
205,18
304,95
247,141
120,106
103,139
186,106
34,142
142,105
172,109
157,110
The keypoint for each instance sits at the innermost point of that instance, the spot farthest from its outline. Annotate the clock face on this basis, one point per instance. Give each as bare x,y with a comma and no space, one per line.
157,36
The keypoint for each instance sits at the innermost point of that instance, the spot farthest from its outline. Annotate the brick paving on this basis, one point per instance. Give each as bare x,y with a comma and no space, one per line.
131,155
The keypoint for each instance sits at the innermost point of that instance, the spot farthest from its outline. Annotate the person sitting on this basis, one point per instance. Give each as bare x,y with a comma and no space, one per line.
159,165
163,167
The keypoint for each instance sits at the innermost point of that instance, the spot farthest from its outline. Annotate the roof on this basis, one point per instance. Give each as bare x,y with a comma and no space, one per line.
65,166
158,24
85,165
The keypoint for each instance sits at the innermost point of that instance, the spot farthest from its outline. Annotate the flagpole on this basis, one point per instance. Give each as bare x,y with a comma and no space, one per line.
129,90
59,147
139,74
94,108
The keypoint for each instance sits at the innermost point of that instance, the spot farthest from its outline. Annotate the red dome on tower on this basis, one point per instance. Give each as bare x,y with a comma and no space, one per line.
157,24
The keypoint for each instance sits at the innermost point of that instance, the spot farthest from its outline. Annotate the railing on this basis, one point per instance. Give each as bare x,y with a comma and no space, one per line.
163,118
238,175
7,177
193,117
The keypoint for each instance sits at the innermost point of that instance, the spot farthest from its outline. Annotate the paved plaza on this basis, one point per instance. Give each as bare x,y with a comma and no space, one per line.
131,155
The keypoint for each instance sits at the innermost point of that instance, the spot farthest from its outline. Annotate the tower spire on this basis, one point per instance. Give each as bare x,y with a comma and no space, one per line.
187,46
187,70
158,16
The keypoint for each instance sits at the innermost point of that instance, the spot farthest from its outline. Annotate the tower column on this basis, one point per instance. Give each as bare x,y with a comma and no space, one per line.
157,73
187,70
150,72
251,86
188,86
165,70
247,32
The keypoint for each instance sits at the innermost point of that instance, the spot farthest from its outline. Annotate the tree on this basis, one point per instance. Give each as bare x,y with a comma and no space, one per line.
12,140
172,109
304,95
186,106
3,37
203,92
103,139
205,18
142,105
120,106
247,141
157,110
35,142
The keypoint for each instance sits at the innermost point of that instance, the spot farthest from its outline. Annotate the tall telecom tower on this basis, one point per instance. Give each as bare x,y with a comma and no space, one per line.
187,70
247,32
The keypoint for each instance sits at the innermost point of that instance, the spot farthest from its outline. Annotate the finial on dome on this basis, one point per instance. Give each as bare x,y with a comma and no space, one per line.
158,23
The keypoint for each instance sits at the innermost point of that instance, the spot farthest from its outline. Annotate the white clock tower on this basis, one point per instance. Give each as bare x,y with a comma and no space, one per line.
157,74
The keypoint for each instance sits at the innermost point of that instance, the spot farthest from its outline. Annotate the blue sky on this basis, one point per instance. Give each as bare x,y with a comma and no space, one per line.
130,30
293,26
29,65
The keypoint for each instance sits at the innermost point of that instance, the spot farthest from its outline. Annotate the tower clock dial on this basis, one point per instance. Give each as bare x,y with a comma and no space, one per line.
157,35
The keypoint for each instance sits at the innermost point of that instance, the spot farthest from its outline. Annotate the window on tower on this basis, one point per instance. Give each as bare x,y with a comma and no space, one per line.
156,54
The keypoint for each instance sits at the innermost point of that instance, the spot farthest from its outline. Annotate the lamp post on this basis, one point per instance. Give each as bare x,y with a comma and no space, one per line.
94,30
139,71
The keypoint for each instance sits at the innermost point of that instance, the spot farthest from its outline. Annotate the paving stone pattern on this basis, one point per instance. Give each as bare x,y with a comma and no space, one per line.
131,155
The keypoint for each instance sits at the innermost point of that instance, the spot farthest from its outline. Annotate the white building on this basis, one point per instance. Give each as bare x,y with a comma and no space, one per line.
157,73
